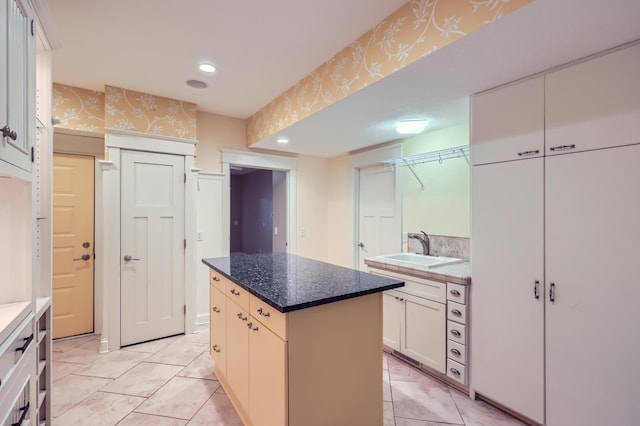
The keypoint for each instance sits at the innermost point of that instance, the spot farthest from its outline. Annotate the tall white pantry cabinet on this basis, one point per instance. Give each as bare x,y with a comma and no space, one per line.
25,212
555,243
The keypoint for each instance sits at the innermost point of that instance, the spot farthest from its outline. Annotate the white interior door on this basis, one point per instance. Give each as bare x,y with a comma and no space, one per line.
379,220
152,246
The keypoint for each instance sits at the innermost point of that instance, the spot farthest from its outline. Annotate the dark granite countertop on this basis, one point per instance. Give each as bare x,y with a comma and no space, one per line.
289,282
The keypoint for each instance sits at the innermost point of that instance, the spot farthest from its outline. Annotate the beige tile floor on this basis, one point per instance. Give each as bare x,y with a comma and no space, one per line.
170,382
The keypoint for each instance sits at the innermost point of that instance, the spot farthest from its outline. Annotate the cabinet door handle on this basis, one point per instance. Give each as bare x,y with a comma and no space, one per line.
234,292
243,318
251,327
216,278
8,133
455,293
534,152
536,289
454,371
25,345
216,348
456,333
25,411
455,352
562,147
264,314
215,309
456,313
552,292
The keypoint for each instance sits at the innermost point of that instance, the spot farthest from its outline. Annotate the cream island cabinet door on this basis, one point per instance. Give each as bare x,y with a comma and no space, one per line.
507,341
592,339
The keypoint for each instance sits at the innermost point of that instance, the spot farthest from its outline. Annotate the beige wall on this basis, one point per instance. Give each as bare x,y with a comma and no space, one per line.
215,132
340,212
442,207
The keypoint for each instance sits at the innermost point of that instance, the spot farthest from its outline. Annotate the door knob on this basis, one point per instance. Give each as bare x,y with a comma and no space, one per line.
83,257
128,258
361,244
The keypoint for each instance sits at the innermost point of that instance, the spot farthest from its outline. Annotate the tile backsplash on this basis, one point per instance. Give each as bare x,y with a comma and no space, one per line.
441,245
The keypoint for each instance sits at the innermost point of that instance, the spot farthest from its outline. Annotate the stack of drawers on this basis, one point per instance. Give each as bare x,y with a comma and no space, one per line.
457,332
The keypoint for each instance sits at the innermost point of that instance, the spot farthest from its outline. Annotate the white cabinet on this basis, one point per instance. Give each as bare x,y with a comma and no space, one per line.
508,123
594,104
17,85
414,325
554,248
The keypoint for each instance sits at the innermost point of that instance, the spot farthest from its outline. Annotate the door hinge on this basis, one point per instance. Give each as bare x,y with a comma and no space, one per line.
33,154
185,178
33,27
185,243
184,309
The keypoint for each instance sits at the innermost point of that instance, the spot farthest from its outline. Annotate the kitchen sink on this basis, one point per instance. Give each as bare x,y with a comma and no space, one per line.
419,259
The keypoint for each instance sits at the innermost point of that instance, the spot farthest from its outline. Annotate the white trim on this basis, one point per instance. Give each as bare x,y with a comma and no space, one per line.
142,142
122,132
46,21
374,156
260,161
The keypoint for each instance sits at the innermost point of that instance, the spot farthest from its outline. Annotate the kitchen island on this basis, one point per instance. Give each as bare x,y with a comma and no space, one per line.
297,341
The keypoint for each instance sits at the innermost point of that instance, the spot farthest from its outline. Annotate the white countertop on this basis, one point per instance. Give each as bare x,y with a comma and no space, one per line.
459,273
11,314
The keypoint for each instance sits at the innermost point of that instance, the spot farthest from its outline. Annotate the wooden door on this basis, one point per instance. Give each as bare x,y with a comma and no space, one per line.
379,221
73,232
238,353
592,236
507,242
152,246
218,330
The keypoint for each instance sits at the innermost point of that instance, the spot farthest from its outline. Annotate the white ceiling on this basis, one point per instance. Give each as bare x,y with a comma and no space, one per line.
262,50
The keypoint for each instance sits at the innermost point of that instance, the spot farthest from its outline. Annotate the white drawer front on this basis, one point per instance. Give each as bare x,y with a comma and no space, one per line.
456,351
457,312
14,348
457,293
456,371
456,332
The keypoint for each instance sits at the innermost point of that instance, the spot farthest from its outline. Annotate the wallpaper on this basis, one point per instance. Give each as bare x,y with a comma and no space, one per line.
78,109
140,112
415,30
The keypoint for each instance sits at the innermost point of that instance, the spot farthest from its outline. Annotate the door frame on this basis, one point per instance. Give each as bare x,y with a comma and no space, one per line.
363,160
259,161
115,141
67,141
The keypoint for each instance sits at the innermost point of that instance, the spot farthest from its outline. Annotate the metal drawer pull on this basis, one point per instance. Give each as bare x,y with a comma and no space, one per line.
454,371
216,278
261,312
455,293
129,258
536,289
251,327
241,317
216,348
534,152
25,345
455,352
456,313
456,333
562,147
234,292
552,292
25,411
215,309
7,132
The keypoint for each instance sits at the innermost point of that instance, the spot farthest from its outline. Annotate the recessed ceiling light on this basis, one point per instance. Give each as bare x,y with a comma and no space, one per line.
207,67
411,126
196,84
282,140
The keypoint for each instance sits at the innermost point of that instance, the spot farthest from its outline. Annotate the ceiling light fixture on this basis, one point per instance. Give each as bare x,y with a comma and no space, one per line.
411,126
282,140
207,67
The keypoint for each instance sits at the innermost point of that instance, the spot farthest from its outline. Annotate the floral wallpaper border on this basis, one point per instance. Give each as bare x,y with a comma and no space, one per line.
78,109
415,30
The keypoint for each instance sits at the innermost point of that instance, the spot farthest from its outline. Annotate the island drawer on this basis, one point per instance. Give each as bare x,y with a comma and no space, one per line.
456,332
13,349
237,294
269,316
457,293
216,279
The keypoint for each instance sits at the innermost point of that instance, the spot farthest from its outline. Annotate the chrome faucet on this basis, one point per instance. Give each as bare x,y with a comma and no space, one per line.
424,241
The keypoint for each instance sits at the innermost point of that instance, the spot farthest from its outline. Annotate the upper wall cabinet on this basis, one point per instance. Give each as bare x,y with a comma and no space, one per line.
17,85
594,104
508,123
